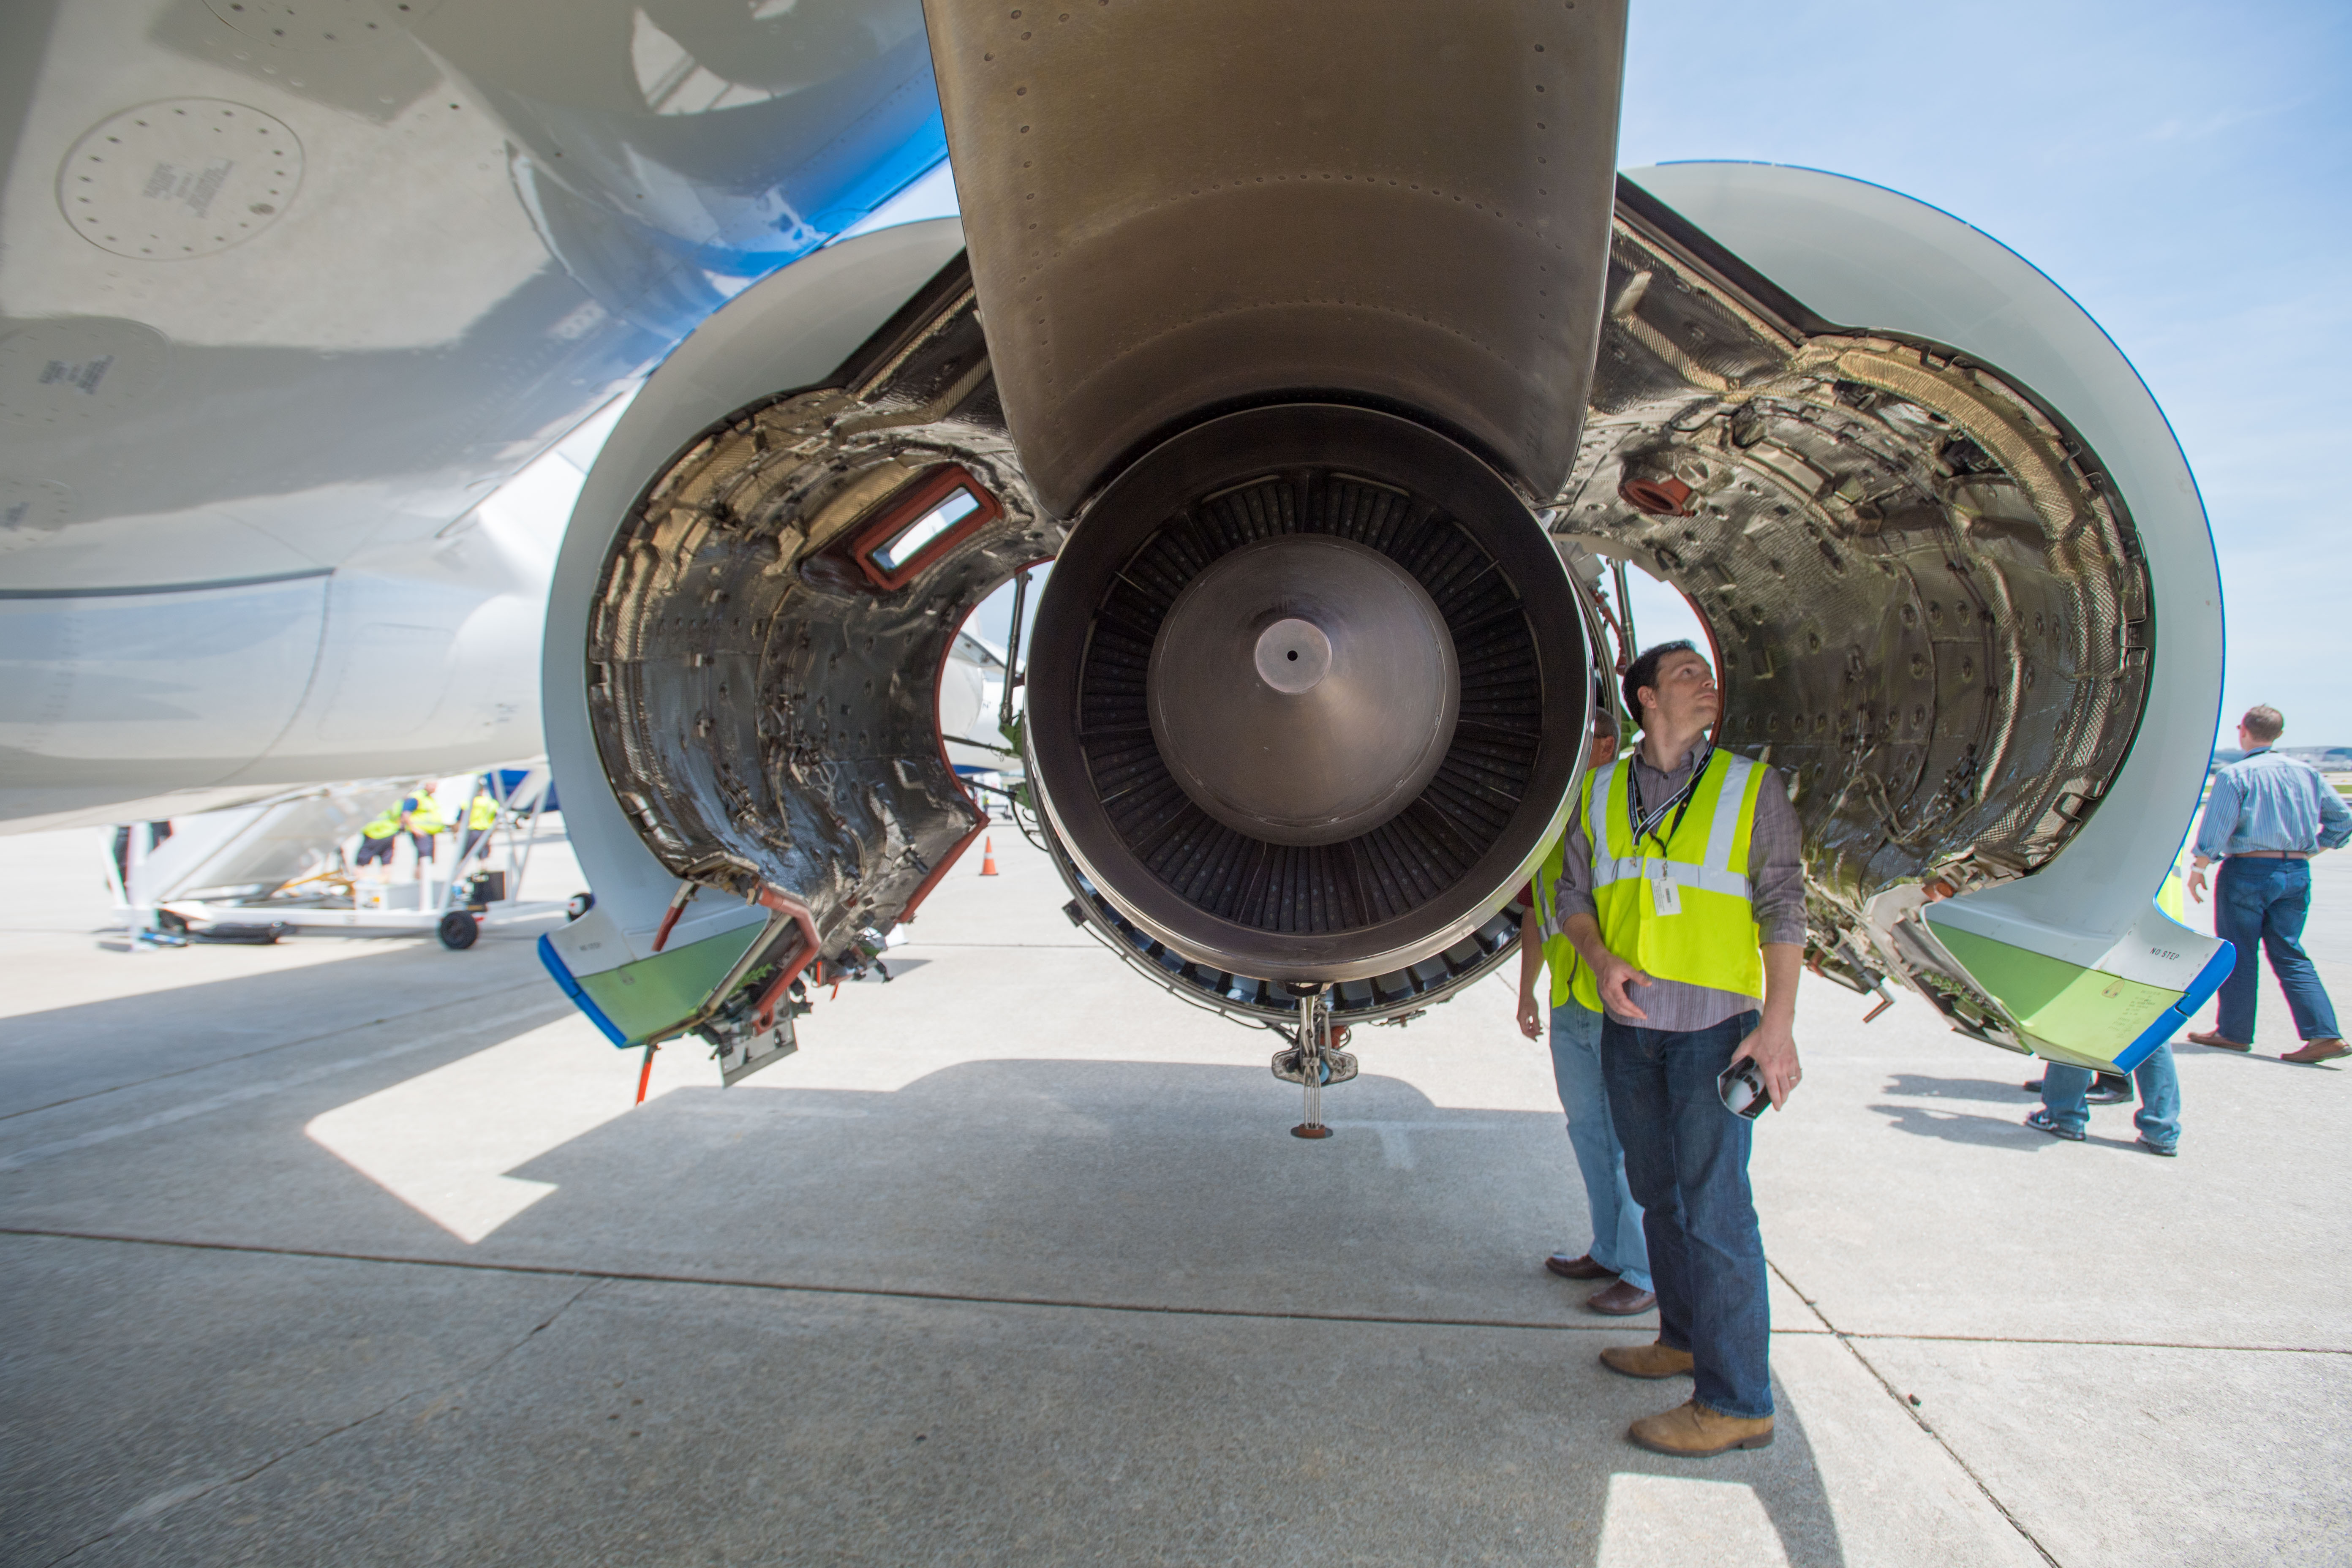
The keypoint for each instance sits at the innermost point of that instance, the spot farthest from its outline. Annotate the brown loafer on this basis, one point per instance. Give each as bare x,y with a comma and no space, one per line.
1647,1361
2208,1037
1622,1300
2317,1051
1580,1267
1695,1431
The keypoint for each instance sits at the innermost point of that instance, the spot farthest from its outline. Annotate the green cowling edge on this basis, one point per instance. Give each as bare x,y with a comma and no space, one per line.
649,997
2086,1017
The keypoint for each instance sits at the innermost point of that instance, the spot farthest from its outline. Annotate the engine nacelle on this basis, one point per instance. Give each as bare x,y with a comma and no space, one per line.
1309,693
1310,682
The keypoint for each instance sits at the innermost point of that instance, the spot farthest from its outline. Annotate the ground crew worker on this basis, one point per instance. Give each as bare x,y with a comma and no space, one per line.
1618,1253
1682,882
376,840
481,816
425,821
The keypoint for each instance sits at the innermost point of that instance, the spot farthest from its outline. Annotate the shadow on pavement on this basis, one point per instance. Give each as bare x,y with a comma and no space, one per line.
1162,1191
1918,1086
1016,1310
1955,1127
71,1053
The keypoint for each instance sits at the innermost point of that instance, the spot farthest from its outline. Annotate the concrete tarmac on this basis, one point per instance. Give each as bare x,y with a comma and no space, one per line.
355,1250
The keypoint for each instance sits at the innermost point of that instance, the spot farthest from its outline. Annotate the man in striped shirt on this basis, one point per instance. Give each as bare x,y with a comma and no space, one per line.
2267,816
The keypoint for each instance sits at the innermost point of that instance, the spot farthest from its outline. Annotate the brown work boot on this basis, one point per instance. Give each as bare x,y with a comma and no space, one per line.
1693,1431
1647,1361
2317,1051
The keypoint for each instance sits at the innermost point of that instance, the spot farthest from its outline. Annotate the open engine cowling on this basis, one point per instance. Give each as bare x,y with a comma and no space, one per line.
1310,680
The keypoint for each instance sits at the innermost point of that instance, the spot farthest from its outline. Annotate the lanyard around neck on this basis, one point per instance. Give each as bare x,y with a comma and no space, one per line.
1646,823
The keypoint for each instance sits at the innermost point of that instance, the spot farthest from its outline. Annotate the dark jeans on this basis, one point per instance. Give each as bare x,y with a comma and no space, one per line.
2265,902
1686,1162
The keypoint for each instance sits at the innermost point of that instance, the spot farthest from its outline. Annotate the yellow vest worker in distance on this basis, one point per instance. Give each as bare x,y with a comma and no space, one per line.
376,840
424,820
1618,1254
481,816
1682,892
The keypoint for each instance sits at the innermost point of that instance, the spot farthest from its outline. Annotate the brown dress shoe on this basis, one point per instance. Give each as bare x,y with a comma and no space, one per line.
1581,1267
2208,1037
1622,1300
2317,1051
1647,1361
1694,1431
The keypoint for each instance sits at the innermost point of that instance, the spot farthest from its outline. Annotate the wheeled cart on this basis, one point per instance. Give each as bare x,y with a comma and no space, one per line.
453,909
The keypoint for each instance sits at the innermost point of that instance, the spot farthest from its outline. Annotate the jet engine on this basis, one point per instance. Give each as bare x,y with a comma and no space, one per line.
1329,371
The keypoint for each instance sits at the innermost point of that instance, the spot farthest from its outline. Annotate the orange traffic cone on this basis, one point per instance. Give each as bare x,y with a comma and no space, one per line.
988,856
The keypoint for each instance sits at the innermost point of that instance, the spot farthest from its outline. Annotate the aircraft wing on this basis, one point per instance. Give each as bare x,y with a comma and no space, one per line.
311,323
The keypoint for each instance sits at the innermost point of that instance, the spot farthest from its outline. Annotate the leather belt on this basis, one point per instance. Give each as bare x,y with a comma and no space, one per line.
2272,855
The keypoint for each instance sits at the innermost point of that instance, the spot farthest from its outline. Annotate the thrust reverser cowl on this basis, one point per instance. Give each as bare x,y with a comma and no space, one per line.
1962,585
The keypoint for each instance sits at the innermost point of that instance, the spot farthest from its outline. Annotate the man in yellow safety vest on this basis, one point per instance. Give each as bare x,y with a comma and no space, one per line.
424,822
1618,1253
376,841
1683,882
481,816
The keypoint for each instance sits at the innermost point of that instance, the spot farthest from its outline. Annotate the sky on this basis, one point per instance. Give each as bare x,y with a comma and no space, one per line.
2184,171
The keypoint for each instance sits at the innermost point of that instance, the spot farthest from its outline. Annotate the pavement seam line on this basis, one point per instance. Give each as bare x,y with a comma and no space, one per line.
227,1483
33,1154
647,1277
2117,1344
259,1051
1917,1419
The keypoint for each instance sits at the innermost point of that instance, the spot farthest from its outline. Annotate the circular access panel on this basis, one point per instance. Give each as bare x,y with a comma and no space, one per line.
180,178
31,510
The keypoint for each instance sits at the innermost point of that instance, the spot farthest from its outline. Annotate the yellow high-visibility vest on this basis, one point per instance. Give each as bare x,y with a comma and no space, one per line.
384,826
426,816
1712,940
482,813
1559,953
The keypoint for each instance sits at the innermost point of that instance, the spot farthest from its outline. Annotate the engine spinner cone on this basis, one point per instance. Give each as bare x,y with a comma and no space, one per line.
1304,689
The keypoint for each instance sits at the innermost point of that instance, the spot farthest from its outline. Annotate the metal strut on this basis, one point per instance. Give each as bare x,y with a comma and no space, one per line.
1629,646
1316,1058
1310,1065
1013,676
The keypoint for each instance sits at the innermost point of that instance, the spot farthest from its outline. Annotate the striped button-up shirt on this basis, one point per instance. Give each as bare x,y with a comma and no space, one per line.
2269,801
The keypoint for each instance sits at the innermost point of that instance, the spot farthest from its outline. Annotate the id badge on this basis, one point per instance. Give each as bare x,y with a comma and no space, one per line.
1666,894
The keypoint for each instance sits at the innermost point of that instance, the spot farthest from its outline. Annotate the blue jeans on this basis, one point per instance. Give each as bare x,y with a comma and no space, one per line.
1687,1161
2265,902
2159,1116
1617,1243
